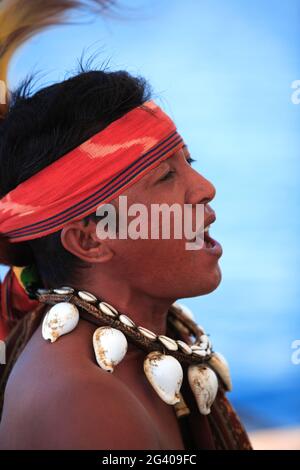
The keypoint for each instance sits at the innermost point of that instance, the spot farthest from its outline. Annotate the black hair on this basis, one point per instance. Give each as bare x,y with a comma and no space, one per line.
40,128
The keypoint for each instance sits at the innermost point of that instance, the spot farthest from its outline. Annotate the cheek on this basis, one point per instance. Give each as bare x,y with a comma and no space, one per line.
148,261
165,266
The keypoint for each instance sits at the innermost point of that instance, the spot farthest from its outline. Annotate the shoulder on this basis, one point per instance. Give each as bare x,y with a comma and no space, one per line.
58,398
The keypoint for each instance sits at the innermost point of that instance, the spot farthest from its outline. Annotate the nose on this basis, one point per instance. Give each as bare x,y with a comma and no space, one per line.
201,190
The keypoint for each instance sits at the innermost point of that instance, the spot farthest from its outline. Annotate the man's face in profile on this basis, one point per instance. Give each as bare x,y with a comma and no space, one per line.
165,267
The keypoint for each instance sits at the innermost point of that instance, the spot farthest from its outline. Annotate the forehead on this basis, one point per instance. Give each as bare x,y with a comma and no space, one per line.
183,152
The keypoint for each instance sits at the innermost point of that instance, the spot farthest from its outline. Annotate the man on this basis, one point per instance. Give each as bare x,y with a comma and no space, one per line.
64,394
63,152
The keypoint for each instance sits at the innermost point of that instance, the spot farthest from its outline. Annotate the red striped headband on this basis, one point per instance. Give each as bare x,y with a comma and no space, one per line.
92,174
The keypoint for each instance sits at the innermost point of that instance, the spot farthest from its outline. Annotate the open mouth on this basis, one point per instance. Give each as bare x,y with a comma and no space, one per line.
204,235
208,241
204,241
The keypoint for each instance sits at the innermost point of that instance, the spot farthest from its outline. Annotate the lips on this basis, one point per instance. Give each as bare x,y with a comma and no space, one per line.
210,219
207,239
210,245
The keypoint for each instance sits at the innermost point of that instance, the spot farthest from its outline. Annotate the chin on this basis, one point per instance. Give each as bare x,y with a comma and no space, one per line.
207,285
214,280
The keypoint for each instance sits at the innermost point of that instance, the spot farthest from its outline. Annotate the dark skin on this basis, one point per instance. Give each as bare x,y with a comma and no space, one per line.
57,397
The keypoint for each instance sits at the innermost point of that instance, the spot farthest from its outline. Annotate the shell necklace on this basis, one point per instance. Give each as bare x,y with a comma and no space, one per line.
162,365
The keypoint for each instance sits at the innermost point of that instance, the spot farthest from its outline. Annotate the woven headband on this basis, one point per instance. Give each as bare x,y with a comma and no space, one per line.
92,174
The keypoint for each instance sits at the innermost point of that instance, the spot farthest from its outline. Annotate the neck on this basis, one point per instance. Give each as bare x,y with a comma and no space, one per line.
144,310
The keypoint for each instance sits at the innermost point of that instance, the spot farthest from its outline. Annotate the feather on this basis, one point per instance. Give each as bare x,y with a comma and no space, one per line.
20,20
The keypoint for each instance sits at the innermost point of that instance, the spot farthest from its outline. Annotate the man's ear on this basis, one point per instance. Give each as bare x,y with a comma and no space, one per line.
82,241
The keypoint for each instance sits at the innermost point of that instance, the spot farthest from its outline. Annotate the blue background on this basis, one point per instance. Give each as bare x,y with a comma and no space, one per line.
223,70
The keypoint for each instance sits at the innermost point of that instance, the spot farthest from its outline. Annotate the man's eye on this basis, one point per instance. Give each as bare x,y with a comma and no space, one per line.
171,173
190,160
168,175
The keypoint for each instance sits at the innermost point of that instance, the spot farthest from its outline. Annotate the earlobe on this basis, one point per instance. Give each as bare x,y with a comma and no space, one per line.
83,243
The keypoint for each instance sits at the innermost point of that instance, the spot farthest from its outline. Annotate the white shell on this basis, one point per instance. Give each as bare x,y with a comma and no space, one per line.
195,347
110,346
108,309
43,291
60,320
184,347
68,287
147,333
63,290
204,384
126,321
169,343
201,346
87,296
165,375
199,352
204,339
219,364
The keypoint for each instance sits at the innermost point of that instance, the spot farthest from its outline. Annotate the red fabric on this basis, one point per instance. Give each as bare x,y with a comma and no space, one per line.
14,303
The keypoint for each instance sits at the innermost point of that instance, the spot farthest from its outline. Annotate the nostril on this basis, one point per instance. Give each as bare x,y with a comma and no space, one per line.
205,200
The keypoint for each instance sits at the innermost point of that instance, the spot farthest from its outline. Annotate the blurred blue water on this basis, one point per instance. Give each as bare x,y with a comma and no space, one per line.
223,70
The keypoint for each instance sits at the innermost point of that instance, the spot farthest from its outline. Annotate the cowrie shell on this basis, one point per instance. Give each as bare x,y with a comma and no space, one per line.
63,290
169,343
108,309
204,339
204,384
147,333
219,364
126,321
199,352
87,296
62,318
43,291
184,347
110,346
165,375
